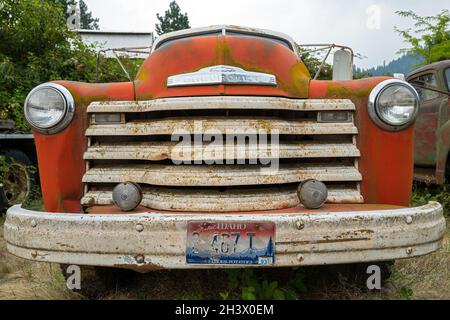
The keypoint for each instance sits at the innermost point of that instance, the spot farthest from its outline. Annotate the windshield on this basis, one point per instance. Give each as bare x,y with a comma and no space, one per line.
228,32
427,81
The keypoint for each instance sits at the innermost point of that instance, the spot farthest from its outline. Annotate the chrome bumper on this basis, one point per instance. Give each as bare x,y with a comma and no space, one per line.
301,239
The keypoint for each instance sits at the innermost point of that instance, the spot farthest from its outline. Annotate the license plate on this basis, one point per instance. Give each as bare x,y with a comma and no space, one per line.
221,243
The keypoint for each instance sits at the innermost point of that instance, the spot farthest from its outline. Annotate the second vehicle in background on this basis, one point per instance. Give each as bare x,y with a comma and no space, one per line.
432,144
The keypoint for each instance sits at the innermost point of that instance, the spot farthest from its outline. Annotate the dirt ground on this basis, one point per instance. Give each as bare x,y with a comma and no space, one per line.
419,278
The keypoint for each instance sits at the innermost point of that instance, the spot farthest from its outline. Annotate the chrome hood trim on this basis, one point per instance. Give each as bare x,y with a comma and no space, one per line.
221,74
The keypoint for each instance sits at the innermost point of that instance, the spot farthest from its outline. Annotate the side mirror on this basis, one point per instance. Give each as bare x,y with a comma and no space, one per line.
343,65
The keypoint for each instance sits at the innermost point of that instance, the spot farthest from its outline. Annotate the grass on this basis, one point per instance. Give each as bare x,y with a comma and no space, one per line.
425,277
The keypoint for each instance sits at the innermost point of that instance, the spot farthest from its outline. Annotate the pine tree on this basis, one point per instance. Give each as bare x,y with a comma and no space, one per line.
173,20
86,19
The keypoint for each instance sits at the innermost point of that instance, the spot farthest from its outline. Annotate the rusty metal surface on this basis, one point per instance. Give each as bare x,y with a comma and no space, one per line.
301,239
156,151
219,175
222,103
258,54
188,200
231,125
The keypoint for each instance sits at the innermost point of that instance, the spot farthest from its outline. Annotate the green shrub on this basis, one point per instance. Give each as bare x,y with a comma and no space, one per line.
36,47
422,194
247,284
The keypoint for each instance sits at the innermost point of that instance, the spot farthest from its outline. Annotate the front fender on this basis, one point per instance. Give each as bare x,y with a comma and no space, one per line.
386,162
60,156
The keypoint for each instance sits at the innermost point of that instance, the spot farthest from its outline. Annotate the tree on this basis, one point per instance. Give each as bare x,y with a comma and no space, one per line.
173,20
36,47
430,38
86,19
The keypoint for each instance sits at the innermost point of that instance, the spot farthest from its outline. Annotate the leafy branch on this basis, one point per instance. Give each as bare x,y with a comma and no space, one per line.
430,37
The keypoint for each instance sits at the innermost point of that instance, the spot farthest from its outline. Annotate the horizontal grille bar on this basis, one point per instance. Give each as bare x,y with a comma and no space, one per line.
219,175
218,201
157,151
221,103
215,124
138,148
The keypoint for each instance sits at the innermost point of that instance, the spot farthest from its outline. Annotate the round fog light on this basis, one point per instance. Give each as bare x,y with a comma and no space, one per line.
312,194
127,196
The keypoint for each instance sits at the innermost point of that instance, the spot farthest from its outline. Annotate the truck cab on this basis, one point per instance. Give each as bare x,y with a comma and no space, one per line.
224,152
432,146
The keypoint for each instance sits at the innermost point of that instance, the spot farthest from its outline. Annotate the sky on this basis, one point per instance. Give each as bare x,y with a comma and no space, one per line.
367,26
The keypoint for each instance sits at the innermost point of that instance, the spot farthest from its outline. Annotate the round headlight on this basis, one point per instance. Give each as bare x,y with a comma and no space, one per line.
393,105
49,108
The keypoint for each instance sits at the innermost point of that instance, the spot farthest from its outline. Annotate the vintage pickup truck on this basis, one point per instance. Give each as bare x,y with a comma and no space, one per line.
432,146
137,175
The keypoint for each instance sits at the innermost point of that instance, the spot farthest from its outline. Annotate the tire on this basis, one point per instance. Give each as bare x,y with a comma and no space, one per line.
98,282
20,182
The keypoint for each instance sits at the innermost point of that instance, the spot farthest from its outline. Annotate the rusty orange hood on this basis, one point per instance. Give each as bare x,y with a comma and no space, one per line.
257,54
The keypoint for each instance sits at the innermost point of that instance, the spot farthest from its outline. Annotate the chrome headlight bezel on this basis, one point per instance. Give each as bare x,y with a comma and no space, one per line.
68,113
373,105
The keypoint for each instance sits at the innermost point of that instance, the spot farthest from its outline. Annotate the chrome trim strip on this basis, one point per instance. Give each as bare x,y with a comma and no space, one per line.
221,103
221,74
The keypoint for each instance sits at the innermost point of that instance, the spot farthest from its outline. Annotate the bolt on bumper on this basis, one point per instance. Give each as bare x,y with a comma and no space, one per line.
152,241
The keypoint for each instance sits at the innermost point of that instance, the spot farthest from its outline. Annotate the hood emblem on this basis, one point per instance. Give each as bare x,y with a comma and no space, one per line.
222,75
